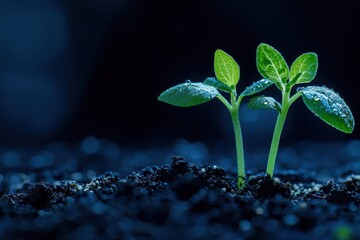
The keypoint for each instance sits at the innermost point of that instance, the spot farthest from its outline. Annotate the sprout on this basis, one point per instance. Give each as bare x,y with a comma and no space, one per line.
322,101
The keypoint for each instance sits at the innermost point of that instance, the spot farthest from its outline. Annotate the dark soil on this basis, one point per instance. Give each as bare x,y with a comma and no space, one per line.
180,200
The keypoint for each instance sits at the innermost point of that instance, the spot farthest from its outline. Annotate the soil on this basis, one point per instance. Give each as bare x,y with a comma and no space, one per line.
179,200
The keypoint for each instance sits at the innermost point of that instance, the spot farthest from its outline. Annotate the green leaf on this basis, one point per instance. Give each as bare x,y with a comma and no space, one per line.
226,68
211,81
329,107
271,64
256,87
188,94
304,68
263,102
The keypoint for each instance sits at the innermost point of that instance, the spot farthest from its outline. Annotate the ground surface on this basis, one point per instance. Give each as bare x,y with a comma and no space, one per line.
178,199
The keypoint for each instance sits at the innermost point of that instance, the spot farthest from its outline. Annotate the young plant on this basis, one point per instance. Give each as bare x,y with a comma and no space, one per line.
322,101
227,73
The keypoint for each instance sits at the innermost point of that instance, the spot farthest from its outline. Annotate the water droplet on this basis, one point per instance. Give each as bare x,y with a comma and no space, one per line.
339,105
188,82
266,103
316,98
342,115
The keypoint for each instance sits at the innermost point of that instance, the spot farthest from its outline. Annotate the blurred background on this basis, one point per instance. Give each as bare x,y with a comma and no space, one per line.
71,69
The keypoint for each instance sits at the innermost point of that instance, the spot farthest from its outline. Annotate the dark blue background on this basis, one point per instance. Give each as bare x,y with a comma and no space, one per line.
69,69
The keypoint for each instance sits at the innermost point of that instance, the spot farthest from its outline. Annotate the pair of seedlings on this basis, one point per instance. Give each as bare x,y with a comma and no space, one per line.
322,101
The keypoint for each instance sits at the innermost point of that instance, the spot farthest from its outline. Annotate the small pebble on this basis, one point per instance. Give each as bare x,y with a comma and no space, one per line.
277,180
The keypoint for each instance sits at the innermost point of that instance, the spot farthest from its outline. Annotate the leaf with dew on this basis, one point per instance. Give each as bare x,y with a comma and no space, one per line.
188,94
256,87
329,107
263,102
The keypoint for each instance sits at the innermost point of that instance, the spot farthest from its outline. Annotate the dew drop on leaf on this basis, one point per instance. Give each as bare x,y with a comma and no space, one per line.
188,82
299,89
334,107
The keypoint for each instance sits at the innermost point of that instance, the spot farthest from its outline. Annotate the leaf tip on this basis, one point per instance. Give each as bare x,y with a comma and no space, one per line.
160,97
263,45
218,52
313,55
351,126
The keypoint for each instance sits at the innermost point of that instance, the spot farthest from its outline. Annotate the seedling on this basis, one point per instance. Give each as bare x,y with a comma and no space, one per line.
227,73
322,101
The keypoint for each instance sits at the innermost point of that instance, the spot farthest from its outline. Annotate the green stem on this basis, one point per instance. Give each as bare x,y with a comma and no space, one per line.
286,103
224,101
234,112
294,97
277,133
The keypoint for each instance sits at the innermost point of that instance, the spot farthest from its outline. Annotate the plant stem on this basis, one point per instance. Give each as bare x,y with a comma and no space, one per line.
224,101
234,112
277,133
